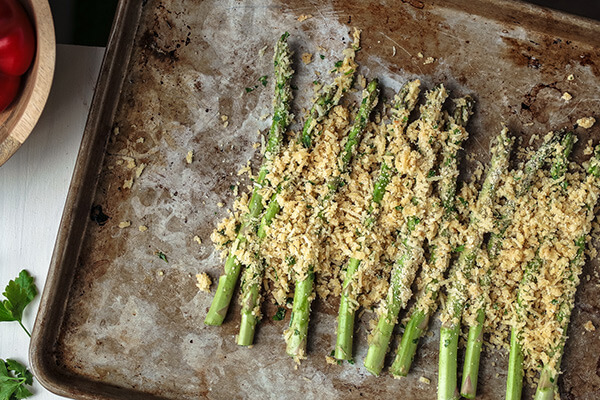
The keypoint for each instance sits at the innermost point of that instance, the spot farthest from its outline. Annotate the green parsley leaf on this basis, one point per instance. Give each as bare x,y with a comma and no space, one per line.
13,377
459,248
412,222
162,256
18,293
263,80
280,314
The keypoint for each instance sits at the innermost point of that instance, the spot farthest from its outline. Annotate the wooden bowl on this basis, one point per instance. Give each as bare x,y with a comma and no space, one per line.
18,120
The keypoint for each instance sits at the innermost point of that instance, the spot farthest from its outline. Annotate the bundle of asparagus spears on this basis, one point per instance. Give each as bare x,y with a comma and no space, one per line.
365,207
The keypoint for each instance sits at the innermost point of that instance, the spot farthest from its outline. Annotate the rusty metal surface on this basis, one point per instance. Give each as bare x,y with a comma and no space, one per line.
116,321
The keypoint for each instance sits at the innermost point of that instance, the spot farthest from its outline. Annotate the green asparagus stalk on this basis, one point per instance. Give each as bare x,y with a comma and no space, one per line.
475,337
296,334
439,258
404,270
405,103
457,292
281,119
548,383
253,274
514,380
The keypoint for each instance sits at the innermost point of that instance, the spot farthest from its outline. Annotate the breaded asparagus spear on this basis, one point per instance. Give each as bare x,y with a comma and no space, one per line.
297,332
475,337
457,292
514,380
252,277
404,103
404,269
548,383
282,61
440,250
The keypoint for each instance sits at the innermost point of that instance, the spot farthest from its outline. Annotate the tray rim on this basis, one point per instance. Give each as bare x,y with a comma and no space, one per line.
89,165
85,174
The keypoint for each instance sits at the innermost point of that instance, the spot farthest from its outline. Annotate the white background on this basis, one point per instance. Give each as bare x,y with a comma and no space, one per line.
34,185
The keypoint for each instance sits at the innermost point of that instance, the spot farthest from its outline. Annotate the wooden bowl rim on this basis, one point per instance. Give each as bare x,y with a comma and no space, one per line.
19,119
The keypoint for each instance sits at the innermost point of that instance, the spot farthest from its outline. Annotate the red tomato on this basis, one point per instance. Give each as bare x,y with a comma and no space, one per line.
17,40
17,48
9,87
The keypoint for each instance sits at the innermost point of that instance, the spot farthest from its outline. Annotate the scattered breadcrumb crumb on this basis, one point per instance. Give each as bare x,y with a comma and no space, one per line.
203,282
566,96
307,58
330,360
116,130
256,145
128,183
571,77
140,168
424,380
140,140
362,81
393,51
420,55
586,122
197,239
130,162
428,60
245,170
304,17
189,157
142,228
589,148
220,205
261,52
124,224
589,326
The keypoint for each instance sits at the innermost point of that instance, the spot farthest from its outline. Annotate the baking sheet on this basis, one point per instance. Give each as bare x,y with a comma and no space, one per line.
117,321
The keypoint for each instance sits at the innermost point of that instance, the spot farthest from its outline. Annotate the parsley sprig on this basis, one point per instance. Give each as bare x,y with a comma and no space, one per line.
18,294
13,378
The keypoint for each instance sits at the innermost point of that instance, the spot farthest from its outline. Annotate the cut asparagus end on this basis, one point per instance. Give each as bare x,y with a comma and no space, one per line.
472,356
514,380
297,332
220,303
547,385
448,360
408,345
346,316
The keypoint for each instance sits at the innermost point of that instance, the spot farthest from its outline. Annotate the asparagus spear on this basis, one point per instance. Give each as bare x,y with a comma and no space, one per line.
405,267
440,257
281,119
253,274
457,296
297,332
548,383
514,381
475,336
405,103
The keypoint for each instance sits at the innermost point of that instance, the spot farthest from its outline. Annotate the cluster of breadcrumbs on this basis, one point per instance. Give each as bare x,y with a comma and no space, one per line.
549,229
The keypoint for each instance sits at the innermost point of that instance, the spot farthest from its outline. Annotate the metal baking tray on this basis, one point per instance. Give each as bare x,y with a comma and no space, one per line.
118,322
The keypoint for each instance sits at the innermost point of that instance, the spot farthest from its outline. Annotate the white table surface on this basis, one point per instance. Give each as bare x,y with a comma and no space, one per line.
34,185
